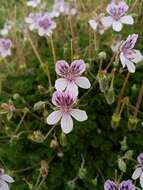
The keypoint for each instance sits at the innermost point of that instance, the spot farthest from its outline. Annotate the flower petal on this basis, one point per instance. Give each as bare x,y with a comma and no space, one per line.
61,84
79,115
93,24
66,123
7,178
54,117
137,173
83,82
141,180
3,185
130,65
127,19
137,56
62,67
107,21
123,59
117,26
78,67
72,87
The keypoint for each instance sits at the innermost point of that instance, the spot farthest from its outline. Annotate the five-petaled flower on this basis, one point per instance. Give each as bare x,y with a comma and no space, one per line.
64,101
5,47
124,185
4,180
33,3
96,24
128,55
42,22
138,173
70,76
117,16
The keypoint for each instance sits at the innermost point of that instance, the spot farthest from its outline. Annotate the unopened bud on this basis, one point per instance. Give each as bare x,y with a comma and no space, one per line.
132,122
71,184
82,173
103,80
115,120
36,136
102,55
63,139
44,168
110,96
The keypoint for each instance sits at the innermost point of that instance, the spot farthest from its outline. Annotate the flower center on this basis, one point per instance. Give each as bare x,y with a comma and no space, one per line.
45,23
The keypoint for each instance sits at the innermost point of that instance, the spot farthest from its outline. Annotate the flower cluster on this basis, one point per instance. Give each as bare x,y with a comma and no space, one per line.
66,95
42,22
5,47
124,185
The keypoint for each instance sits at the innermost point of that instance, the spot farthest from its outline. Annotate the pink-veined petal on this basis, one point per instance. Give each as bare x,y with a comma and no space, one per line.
130,65
141,180
78,67
62,68
61,84
137,56
3,185
123,59
137,173
107,21
7,178
93,24
54,117
79,115
117,26
72,87
127,20
83,82
66,123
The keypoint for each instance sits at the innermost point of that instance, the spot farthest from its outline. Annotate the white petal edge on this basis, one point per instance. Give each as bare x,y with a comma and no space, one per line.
107,21
4,185
127,20
83,82
54,117
130,65
66,123
137,173
79,115
117,26
141,180
138,56
72,87
93,24
61,84
122,59
7,178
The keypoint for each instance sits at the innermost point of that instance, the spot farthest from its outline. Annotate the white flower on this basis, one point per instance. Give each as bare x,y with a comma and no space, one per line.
128,55
117,16
64,101
138,173
4,180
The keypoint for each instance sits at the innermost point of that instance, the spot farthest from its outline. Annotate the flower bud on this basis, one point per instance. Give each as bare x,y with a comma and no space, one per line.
71,184
110,96
102,55
82,173
36,136
44,168
115,120
103,80
63,139
132,122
